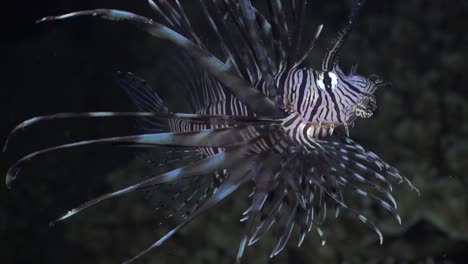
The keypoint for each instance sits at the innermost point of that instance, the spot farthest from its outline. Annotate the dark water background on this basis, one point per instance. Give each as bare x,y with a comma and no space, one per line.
418,45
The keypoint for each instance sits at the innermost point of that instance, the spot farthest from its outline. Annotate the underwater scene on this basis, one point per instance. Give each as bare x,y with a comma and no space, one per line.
234,131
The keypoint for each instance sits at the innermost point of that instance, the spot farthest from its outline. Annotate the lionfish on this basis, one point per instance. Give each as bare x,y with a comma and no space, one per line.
259,116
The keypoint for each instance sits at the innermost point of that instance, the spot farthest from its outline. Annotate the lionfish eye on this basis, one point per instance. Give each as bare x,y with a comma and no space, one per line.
327,81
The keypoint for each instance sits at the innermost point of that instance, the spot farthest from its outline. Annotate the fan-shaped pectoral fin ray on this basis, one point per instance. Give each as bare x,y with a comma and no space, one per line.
252,97
377,187
223,160
318,31
259,49
212,18
236,177
348,168
31,121
263,181
375,199
287,230
302,227
268,222
228,120
141,93
280,29
222,137
257,204
322,236
264,25
299,15
366,221
349,160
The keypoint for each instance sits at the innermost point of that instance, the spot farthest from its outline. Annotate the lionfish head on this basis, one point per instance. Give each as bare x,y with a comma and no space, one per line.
365,87
353,94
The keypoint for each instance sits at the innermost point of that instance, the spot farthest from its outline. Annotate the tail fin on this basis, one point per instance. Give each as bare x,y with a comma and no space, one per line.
145,98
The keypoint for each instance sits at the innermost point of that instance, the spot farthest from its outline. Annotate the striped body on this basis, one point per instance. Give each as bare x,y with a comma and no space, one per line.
314,112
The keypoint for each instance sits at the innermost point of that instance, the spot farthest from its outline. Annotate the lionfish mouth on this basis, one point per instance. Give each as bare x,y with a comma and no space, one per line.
241,132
